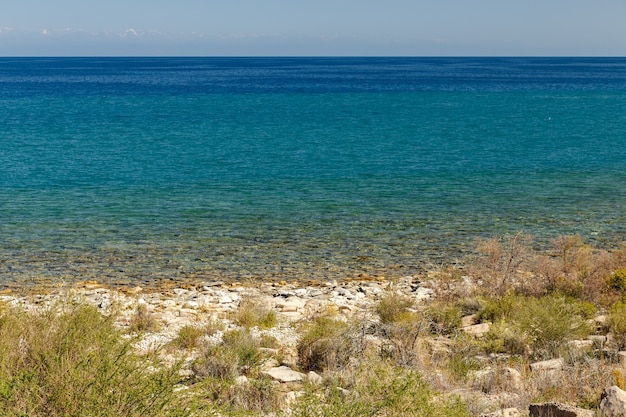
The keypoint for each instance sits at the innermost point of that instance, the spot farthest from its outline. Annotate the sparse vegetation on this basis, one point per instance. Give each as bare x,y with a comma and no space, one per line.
326,344
143,320
71,361
378,388
394,307
188,337
252,313
395,357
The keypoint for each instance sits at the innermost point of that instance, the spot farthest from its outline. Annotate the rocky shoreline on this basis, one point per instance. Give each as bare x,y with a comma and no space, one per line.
200,303
209,302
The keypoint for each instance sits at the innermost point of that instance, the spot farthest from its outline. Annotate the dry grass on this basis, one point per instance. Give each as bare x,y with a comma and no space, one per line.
252,313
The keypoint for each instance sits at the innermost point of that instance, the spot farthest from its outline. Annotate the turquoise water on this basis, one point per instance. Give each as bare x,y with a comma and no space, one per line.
133,170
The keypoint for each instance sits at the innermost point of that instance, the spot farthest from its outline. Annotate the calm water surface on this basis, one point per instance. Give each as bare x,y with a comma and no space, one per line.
128,170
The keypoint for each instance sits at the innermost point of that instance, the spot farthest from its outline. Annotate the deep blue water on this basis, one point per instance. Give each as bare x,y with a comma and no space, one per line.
140,169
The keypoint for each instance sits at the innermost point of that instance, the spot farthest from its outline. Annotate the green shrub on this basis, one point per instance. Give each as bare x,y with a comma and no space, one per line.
545,324
505,337
73,362
379,388
617,280
616,320
326,344
143,320
217,363
245,346
188,337
238,353
445,318
251,313
256,395
393,307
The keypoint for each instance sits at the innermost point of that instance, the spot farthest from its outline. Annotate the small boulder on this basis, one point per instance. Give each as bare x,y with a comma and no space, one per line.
477,330
291,304
314,378
508,379
557,410
548,366
507,412
613,402
284,374
467,321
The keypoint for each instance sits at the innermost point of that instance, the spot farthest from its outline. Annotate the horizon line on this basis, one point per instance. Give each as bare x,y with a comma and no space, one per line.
310,56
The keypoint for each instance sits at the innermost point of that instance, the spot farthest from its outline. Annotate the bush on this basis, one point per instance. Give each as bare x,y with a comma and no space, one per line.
237,353
327,344
617,280
616,321
251,313
217,363
393,307
257,395
379,388
73,361
142,320
497,262
188,337
546,323
445,318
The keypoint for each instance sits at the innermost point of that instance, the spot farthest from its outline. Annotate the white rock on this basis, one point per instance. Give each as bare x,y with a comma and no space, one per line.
225,299
423,293
507,412
284,374
613,402
301,292
548,366
314,378
291,304
477,330
468,320
241,380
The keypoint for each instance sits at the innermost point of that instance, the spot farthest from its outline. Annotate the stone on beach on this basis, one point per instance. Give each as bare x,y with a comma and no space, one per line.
506,412
558,410
613,402
548,366
284,374
478,330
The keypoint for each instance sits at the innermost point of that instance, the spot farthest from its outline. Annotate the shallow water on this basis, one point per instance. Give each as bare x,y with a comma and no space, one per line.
133,170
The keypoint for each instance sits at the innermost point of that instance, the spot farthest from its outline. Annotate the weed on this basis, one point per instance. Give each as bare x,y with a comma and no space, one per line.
143,320
188,337
326,344
498,261
617,280
238,353
544,323
444,318
616,321
379,388
216,363
393,307
252,313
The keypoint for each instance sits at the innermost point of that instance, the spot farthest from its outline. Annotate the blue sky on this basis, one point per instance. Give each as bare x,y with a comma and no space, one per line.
321,27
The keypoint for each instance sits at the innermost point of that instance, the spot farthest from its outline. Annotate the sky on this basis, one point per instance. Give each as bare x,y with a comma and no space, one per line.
312,28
